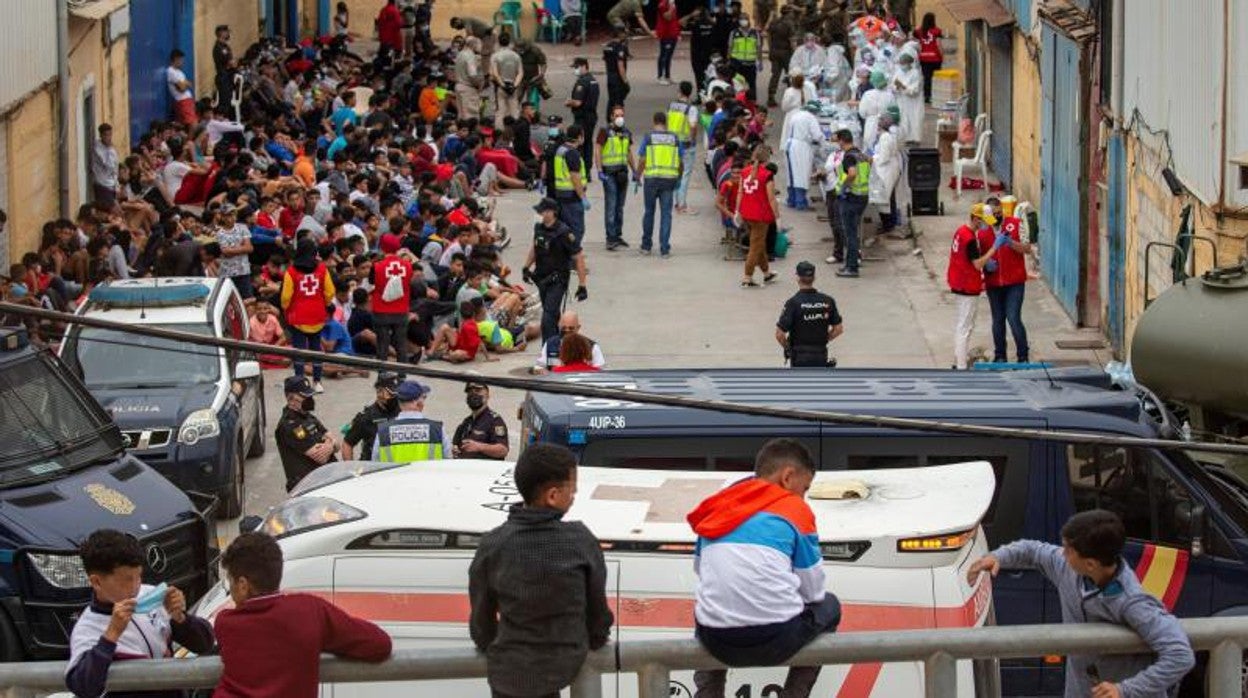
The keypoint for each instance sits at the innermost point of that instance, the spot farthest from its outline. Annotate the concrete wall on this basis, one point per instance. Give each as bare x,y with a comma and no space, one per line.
243,16
105,70
31,164
1026,126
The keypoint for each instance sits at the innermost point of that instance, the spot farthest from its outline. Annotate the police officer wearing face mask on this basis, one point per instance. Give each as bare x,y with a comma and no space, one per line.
303,443
363,427
555,250
411,436
552,139
482,434
808,322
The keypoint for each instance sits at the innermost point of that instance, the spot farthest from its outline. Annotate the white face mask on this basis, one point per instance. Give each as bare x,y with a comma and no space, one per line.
744,23
619,122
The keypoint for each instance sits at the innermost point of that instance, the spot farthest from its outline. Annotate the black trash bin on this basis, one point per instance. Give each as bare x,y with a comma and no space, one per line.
923,175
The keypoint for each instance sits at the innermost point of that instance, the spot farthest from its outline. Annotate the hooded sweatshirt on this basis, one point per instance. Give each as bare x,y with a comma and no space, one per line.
757,557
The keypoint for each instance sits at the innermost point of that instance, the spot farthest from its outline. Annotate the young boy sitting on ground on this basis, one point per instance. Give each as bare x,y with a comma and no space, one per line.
271,642
126,618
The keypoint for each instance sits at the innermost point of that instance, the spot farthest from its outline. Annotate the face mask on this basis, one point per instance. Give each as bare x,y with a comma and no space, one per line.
744,23
391,404
475,402
552,132
619,122
309,404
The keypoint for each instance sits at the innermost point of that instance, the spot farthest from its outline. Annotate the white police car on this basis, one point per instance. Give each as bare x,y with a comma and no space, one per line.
191,412
392,543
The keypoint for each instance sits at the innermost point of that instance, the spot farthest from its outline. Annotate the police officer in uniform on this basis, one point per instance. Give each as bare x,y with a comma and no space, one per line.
363,427
779,49
411,436
745,53
584,104
704,40
808,322
482,434
571,178
555,249
615,58
554,139
303,443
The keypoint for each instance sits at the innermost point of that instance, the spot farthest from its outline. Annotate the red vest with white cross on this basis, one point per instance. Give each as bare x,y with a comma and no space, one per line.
390,266
307,300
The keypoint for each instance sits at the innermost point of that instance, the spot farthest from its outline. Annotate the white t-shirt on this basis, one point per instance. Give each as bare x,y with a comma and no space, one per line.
174,173
173,76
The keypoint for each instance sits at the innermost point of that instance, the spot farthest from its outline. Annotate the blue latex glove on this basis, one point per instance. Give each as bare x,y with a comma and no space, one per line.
585,204
602,176
991,266
1002,240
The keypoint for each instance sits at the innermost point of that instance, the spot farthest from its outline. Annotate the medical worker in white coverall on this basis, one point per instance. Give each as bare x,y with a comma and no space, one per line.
908,88
800,148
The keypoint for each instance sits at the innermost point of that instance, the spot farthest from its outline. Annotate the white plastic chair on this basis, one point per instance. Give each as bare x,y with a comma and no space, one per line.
980,158
981,123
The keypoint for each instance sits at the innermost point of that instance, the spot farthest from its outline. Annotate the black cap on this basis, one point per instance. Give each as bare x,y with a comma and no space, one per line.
388,380
546,204
554,120
805,269
580,61
298,385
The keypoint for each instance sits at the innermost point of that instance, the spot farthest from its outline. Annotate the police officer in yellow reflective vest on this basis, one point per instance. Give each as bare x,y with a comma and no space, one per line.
660,169
852,189
411,436
682,120
570,181
745,52
615,163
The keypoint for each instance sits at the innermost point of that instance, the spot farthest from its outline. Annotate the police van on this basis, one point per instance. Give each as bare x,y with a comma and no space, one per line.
392,543
191,412
1187,520
64,473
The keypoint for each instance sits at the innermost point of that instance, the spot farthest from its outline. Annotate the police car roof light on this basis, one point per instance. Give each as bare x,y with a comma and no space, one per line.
148,296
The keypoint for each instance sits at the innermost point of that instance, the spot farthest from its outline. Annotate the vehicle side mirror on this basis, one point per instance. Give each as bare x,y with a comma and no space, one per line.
248,524
1191,518
246,369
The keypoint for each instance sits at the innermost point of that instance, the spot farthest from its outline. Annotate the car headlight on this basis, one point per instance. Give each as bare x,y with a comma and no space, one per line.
61,571
200,424
307,513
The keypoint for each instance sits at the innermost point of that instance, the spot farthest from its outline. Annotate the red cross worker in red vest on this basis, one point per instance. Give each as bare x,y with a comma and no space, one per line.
307,295
391,298
1005,278
974,246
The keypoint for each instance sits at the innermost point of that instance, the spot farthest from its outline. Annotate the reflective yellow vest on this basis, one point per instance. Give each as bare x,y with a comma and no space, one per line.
744,46
662,156
678,121
407,439
860,186
615,150
563,178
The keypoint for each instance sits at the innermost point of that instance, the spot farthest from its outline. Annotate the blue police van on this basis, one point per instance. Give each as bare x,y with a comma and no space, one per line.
64,473
194,413
1186,516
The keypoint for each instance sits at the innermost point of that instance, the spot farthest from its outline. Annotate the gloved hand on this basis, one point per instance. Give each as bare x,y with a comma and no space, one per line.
582,294
585,204
602,176
991,266
527,275
1002,240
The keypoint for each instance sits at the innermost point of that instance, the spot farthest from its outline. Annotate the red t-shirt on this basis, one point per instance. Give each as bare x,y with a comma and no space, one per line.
728,190
468,340
667,21
504,160
755,200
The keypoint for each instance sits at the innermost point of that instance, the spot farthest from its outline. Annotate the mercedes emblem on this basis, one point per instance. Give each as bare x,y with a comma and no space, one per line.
157,560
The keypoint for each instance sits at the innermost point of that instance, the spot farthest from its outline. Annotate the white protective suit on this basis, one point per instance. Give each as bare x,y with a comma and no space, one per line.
801,141
794,98
908,86
874,103
836,74
808,61
885,167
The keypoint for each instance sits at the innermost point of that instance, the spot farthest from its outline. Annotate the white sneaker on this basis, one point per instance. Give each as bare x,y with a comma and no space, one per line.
318,388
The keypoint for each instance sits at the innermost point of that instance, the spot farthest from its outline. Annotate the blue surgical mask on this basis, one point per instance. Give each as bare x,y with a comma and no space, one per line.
552,132
152,600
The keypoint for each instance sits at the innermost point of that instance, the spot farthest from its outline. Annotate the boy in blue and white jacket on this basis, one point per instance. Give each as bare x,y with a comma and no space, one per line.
1096,585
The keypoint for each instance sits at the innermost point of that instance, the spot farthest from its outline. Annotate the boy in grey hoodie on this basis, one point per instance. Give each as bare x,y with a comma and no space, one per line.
1096,585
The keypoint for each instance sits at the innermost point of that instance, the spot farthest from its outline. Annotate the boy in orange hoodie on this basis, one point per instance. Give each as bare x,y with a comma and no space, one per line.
761,592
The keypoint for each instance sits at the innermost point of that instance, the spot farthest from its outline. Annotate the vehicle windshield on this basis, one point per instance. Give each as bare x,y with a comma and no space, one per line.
117,359
46,426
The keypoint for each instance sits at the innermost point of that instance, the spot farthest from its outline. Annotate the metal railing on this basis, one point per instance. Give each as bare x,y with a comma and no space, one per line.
654,660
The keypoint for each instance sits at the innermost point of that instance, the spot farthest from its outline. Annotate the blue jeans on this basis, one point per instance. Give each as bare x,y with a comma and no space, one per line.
1006,303
667,49
306,340
688,154
572,213
851,208
658,191
614,193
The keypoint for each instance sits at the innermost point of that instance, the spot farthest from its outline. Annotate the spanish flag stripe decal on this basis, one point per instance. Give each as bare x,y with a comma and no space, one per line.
1161,571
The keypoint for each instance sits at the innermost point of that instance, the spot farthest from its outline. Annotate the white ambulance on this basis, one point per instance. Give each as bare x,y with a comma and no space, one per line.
393,544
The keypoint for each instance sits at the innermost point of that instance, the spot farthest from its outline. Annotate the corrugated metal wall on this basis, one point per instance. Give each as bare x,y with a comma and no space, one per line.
28,51
1172,70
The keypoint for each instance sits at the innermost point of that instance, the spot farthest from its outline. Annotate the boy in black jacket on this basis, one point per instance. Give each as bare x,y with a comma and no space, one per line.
538,584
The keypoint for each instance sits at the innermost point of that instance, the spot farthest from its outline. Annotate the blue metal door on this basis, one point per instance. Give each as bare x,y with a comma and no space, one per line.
1001,102
156,28
1060,230
1116,216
